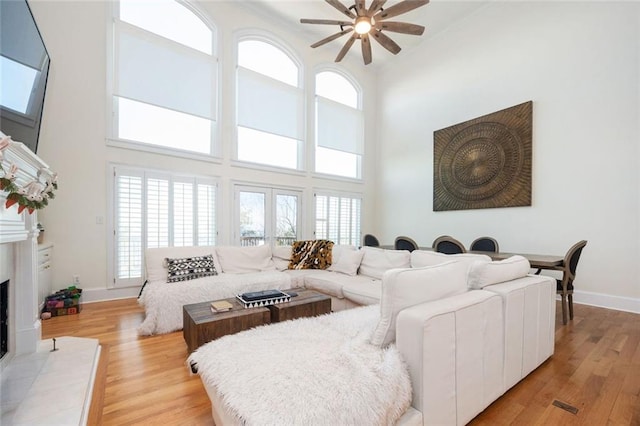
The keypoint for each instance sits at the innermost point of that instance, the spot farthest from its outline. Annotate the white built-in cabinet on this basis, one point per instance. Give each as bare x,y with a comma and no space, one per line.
45,263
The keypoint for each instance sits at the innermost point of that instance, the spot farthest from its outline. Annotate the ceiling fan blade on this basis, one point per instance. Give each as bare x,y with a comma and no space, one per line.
376,5
386,42
400,8
346,47
331,37
325,22
361,9
400,27
341,7
366,48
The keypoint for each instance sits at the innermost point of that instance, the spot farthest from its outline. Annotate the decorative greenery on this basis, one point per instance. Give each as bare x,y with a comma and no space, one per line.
34,196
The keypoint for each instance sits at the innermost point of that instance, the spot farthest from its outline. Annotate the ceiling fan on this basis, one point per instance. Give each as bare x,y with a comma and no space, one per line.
365,24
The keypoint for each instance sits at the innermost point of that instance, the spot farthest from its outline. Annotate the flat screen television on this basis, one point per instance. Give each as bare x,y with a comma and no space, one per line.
24,68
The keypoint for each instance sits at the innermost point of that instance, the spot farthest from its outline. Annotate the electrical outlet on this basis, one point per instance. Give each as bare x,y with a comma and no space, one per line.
76,280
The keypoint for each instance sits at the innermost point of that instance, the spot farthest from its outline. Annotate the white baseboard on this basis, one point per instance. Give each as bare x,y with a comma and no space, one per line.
618,303
104,294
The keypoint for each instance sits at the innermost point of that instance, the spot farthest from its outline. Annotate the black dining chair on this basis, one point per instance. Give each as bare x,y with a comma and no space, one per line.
448,245
405,243
485,244
370,241
564,286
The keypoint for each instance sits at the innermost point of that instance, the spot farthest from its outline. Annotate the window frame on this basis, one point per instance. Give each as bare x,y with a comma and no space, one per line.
112,137
115,170
277,42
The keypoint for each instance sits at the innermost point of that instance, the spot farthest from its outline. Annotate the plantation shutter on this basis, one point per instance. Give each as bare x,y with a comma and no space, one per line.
206,214
157,212
183,223
128,227
338,219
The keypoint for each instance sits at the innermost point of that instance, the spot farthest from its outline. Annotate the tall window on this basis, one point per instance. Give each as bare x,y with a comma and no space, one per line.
165,76
339,126
158,210
338,218
270,106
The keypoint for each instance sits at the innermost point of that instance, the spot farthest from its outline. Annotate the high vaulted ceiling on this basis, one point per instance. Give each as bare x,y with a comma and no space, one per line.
436,16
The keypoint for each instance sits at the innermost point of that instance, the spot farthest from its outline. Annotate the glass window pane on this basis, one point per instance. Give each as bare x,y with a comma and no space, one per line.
337,163
16,81
267,59
150,124
252,218
169,19
333,86
286,219
265,148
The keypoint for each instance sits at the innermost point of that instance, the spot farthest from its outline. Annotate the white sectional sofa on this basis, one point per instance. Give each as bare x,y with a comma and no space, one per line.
466,328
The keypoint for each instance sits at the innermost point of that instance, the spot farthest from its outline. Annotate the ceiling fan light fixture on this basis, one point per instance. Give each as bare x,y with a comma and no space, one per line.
363,25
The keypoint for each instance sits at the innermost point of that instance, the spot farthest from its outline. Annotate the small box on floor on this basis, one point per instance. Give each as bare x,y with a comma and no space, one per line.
64,302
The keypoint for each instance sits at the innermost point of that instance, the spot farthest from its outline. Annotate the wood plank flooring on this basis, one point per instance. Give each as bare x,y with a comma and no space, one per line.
145,381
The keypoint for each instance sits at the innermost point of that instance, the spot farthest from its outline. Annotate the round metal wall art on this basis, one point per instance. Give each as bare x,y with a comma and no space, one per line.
484,162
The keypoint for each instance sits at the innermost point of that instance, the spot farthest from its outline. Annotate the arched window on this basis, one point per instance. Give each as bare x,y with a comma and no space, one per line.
165,76
270,105
339,126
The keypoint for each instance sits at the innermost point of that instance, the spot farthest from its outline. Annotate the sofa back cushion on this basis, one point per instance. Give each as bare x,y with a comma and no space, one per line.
156,266
376,261
484,274
402,288
281,256
422,258
238,260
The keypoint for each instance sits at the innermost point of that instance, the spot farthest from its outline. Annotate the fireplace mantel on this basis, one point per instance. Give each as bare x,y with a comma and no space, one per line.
18,237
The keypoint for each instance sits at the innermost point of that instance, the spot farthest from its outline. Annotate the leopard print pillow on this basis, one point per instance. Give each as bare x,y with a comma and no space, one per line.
311,254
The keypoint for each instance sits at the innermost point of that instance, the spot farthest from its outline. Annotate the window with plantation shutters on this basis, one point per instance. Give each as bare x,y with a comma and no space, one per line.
338,218
153,209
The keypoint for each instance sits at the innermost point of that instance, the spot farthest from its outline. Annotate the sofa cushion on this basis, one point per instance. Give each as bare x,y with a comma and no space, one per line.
422,258
348,262
376,261
311,254
281,257
363,292
339,249
331,283
189,268
156,266
402,288
245,259
484,274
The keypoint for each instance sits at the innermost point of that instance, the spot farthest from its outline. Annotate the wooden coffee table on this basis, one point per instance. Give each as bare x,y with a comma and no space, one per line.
200,325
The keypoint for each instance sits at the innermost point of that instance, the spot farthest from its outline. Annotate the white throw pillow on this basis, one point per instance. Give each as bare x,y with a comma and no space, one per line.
338,249
402,288
237,260
484,274
376,261
348,262
281,257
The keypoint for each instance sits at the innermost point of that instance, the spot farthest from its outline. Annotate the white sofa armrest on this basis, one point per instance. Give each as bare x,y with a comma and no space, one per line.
454,351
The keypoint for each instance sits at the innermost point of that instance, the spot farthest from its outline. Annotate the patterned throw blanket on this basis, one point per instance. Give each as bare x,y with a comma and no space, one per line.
311,371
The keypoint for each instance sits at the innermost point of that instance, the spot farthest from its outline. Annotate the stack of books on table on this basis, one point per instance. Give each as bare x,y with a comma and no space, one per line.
221,306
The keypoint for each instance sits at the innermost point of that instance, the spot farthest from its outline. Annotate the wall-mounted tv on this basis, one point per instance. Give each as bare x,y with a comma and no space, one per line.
24,67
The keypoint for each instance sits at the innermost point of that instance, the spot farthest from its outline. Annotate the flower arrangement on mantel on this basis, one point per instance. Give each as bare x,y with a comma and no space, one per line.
35,195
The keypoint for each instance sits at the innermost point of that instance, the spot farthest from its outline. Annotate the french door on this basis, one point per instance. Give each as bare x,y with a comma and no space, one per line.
266,215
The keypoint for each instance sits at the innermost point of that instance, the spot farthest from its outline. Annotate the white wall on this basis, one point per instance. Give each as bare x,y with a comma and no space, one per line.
578,63
74,131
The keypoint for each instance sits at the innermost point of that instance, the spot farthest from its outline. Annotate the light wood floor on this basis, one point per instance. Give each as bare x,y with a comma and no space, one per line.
144,380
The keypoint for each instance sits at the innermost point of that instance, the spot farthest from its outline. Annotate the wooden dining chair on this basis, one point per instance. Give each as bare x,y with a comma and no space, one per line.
370,241
564,286
485,244
448,245
405,243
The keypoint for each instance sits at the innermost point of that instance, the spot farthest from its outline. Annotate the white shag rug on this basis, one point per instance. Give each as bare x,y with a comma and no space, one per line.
163,301
311,371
